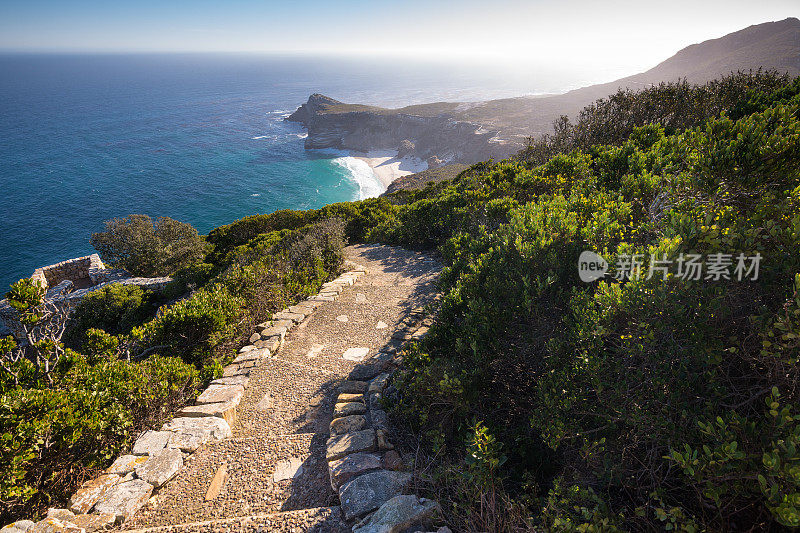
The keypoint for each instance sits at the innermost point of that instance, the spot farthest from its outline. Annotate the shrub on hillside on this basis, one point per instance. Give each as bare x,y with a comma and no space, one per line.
147,247
114,308
53,439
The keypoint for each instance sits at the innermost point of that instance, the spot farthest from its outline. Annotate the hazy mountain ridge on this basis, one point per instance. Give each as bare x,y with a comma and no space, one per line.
474,131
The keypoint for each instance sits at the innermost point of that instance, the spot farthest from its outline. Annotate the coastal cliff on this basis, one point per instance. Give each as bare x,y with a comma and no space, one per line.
429,132
469,132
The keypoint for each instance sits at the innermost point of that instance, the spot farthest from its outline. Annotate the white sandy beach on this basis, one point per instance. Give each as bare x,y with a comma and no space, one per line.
388,167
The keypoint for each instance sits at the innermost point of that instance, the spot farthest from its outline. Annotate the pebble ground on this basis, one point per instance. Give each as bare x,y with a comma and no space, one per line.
292,422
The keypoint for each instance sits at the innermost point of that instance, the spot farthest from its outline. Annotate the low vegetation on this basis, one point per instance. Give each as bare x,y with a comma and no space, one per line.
129,358
644,400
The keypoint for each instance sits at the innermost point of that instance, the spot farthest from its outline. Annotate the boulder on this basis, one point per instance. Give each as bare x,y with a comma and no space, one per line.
150,442
347,409
382,437
65,515
379,418
357,441
161,466
392,461
288,469
353,387
54,525
221,394
379,383
125,464
369,491
223,410
343,470
399,514
125,499
406,148
348,424
20,526
355,354
349,397
241,379
271,343
91,492
94,522
254,337
189,433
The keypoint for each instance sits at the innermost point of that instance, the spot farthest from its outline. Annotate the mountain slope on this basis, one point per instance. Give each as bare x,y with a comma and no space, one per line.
475,131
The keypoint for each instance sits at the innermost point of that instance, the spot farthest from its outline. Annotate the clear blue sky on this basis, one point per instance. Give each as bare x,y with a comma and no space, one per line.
629,35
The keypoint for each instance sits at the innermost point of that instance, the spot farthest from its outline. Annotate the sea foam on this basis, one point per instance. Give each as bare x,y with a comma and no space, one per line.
369,186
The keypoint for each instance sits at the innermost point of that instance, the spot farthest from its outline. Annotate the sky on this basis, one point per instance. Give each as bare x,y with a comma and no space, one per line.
618,36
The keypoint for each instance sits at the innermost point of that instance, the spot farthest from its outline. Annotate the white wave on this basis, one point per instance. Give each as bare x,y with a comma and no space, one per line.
256,194
301,135
262,137
369,186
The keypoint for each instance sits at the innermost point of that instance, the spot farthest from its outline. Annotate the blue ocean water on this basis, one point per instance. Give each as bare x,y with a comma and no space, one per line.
199,138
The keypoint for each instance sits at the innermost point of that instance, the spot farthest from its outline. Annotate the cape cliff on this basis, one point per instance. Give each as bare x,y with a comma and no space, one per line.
428,132
451,132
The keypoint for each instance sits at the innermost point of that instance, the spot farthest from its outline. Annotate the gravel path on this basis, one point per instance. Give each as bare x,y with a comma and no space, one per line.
276,470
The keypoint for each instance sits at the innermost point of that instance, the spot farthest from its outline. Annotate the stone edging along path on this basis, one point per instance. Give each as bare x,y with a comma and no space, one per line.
363,468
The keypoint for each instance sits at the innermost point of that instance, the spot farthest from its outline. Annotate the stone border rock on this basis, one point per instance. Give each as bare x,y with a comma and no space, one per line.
364,469
157,456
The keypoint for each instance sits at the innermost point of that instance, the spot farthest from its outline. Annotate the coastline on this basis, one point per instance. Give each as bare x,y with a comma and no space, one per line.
387,166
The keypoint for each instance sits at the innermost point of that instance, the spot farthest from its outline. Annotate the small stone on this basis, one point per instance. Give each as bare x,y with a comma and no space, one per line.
217,482
264,403
369,491
383,439
54,525
242,380
301,309
245,349
20,526
274,331
420,333
224,410
91,492
355,354
381,325
400,514
288,315
288,469
346,397
357,441
379,418
343,470
347,409
125,499
342,318
150,442
189,433
271,343
65,515
252,355
315,350
254,337
361,297
392,461
222,394
348,424
379,383
353,387
125,464
94,522
235,370
161,466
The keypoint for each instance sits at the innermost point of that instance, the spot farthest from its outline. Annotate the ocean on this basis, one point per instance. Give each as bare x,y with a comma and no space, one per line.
196,137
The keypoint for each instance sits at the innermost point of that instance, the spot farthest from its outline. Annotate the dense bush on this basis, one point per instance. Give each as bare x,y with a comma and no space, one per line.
632,403
675,106
54,438
114,308
146,247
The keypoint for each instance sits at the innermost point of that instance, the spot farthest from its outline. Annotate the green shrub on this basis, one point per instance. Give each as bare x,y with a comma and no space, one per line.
191,328
114,308
146,247
53,439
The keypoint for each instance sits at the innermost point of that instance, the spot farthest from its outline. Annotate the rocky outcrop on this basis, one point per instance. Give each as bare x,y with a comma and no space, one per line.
333,124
